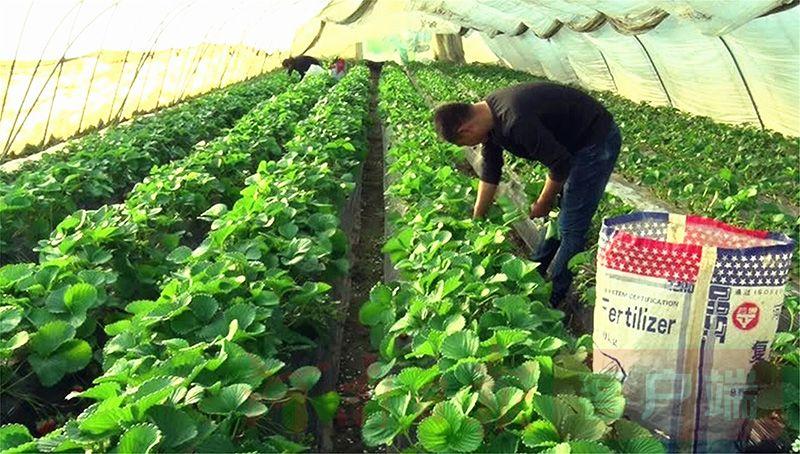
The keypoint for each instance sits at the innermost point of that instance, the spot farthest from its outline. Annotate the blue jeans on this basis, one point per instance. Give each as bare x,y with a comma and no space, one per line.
582,192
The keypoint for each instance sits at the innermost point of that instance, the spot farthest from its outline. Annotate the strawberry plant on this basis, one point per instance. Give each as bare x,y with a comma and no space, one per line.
675,155
98,168
470,357
666,151
95,260
199,367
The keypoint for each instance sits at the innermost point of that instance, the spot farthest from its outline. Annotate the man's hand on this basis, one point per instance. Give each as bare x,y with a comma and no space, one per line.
484,200
540,209
547,198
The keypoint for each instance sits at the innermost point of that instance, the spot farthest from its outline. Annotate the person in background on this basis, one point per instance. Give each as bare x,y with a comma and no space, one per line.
565,129
338,68
300,64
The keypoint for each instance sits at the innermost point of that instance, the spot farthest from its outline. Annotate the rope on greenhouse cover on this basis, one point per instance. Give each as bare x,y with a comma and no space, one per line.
652,63
608,68
94,71
593,24
49,76
631,29
119,82
235,52
140,64
316,38
744,81
781,8
363,8
11,135
144,57
204,48
263,61
52,105
225,68
13,63
164,79
550,31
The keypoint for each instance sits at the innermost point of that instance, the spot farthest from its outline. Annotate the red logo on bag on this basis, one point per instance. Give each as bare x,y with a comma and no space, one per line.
745,316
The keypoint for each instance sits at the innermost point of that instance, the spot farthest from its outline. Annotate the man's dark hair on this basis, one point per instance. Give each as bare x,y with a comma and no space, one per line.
449,118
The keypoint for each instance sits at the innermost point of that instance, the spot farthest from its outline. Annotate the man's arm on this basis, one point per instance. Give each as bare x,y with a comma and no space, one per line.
542,146
491,170
484,200
547,198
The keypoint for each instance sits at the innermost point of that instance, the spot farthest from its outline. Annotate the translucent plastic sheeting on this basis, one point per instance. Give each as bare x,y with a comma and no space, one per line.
476,50
70,66
386,30
474,14
634,75
51,29
491,16
685,59
586,59
554,61
504,47
766,50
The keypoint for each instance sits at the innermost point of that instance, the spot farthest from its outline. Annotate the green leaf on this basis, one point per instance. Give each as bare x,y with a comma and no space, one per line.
215,211
216,443
551,408
462,344
561,448
583,427
141,438
294,413
274,389
589,447
12,435
380,369
449,430
102,391
414,378
505,442
305,378
288,230
226,401
70,357
16,341
180,255
252,408
378,309
507,398
540,434
153,392
105,419
454,324
326,405
528,375
244,313
176,426
80,297
470,374
605,392
380,429
203,307
578,404
119,327
514,269
51,336
642,445
10,317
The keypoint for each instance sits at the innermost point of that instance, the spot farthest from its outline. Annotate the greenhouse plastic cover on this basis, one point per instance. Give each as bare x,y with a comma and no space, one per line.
70,65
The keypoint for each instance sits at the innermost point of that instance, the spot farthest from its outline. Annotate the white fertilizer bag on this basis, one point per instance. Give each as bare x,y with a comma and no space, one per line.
685,306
